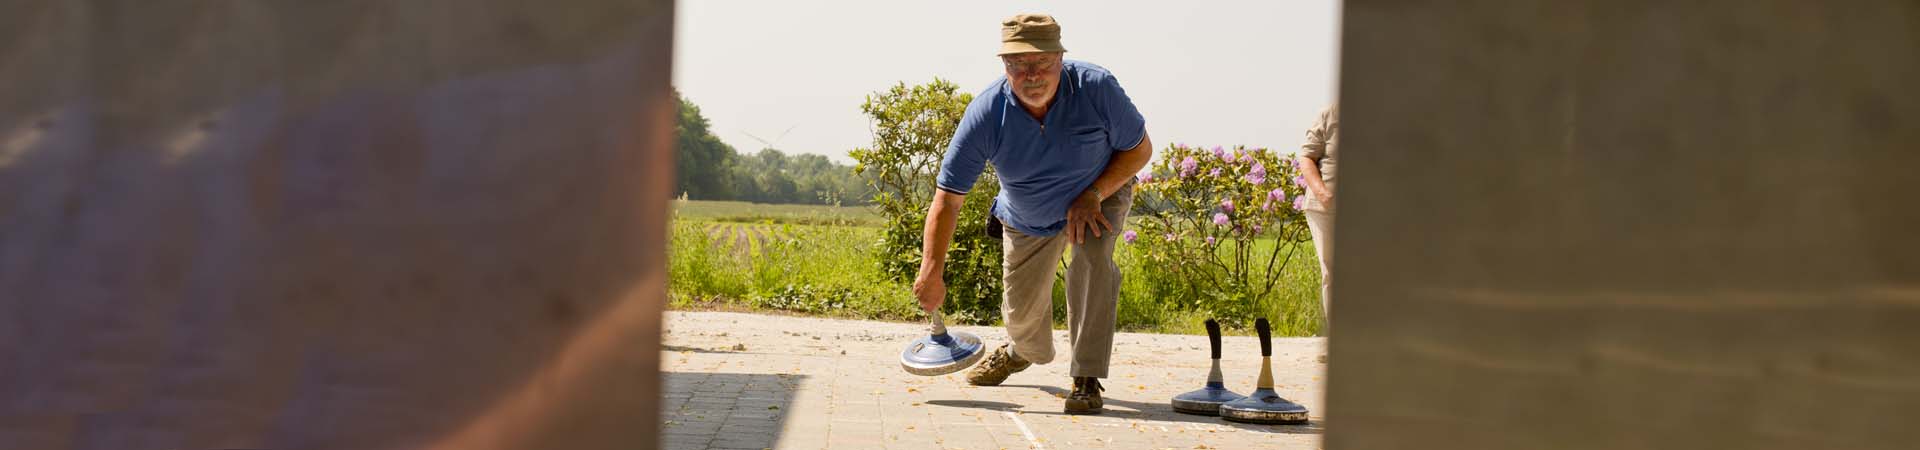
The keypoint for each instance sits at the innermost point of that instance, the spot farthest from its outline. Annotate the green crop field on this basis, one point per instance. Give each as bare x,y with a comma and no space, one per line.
743,212
822,260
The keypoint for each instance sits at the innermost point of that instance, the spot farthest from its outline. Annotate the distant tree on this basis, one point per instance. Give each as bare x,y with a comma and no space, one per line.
702,162
745,186
709,169
771,173
772,160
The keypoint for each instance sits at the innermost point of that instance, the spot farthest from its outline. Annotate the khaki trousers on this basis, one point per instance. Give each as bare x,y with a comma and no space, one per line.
1093,291
1320,222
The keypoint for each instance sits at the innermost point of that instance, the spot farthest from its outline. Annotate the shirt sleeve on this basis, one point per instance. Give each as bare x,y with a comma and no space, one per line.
1125,126
1317,135
972,146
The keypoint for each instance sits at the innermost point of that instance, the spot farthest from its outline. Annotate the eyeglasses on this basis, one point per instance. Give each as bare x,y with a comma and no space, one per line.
1029,68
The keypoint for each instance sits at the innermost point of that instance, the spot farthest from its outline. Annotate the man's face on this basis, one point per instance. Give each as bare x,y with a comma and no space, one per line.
1033,76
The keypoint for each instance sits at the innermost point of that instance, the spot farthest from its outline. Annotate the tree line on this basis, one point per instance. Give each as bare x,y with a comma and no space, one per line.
709,169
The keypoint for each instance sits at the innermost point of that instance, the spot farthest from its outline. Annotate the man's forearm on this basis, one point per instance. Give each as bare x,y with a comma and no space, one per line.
1122,167
939,231
1310,172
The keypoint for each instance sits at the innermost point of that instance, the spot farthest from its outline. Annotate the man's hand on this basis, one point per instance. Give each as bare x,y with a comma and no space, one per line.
1310,171
1085,214
931,290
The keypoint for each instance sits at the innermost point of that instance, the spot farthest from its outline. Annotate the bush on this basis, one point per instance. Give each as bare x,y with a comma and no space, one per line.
1216,230
912,126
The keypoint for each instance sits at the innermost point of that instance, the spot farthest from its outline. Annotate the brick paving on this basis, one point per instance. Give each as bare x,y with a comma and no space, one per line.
750,381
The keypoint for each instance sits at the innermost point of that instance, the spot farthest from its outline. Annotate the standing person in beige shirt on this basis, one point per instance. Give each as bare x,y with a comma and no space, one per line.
1317,163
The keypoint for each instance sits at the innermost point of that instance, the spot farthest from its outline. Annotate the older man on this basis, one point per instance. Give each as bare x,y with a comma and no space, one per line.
1065,141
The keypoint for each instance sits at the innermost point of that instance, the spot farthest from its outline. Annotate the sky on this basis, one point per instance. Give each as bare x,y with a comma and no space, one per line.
1204,73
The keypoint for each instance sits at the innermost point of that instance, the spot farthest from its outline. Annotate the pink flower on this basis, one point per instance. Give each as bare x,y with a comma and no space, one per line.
1258,175
1245,157
1226,205
1300,202
1300,181
1129,236
1209,240
1171,237
1220,219
1257,229
1214,173
1146,177
1219,152
1277,195
1187,166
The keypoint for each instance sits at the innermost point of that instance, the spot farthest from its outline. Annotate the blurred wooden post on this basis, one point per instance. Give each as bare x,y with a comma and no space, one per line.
1628,225
352,224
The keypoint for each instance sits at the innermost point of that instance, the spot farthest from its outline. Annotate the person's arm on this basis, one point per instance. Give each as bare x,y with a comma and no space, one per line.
967,156
929,286
1085,213
1309,158
1124,124
1310,172
1123,167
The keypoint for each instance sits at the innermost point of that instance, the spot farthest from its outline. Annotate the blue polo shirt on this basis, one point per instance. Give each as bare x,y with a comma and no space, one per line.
1043,165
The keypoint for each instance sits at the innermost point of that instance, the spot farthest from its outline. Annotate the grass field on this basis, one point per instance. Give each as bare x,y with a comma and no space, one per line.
743,212
820,260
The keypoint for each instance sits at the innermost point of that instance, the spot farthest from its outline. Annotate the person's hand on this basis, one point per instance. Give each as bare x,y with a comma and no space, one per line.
931,290
1085,215
1325,198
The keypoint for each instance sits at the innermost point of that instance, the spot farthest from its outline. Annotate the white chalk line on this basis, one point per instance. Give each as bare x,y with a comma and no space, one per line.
1023,429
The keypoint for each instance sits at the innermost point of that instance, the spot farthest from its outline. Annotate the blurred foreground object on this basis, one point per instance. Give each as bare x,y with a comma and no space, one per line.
347,224
1628,224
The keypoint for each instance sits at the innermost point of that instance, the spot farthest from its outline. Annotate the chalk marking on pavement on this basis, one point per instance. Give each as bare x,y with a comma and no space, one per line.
1024,430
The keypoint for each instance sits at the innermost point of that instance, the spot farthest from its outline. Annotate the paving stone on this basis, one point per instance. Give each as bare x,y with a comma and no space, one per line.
862,400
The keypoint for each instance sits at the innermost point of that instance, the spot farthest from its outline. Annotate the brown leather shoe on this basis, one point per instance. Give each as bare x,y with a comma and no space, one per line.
996,368
1085,398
